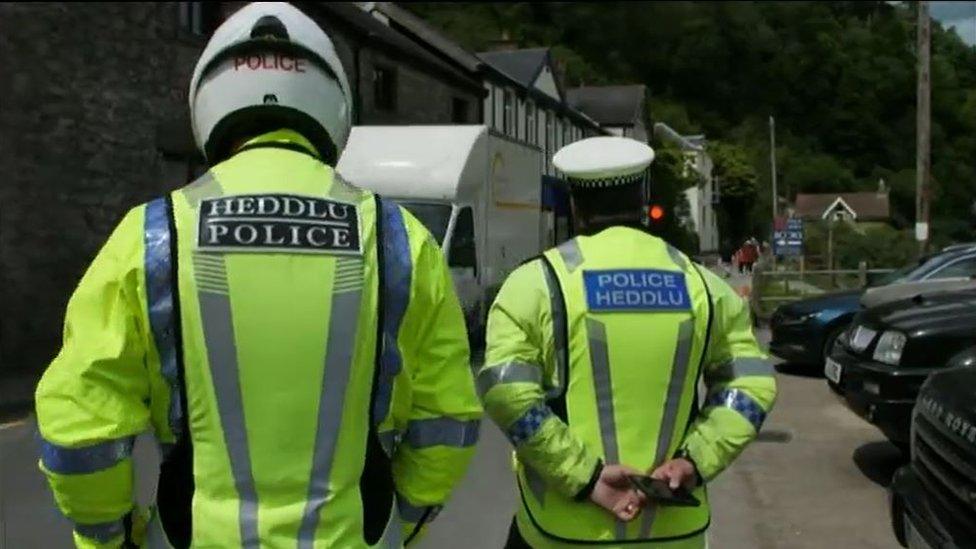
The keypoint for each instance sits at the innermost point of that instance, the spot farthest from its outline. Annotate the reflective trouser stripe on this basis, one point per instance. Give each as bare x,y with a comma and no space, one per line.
442,431
156,537
676,388
218,332
102,532
603,387
158,265
343,321
509,372
739,367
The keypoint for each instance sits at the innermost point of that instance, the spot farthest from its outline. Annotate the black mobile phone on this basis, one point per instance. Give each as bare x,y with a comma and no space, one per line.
659,491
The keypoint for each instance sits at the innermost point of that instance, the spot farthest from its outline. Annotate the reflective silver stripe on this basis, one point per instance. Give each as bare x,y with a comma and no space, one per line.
442,431
677,257
739,367
415,513
158,267
536,484
557,310
509,372
343,321
389,440
218,332
596,333
571,254
102,532
676,388
84,460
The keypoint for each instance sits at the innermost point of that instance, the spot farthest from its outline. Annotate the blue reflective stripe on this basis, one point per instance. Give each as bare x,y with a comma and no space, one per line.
397,271
159,297
529,424
741,403
442,431
103,532
85,459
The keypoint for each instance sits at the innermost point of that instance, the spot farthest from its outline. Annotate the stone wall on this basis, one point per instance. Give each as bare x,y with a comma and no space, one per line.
84,87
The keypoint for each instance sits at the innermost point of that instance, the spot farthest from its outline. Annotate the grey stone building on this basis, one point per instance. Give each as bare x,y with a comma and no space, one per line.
620,110
93,121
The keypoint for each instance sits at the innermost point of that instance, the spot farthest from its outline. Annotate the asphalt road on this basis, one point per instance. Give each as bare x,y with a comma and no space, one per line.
815,479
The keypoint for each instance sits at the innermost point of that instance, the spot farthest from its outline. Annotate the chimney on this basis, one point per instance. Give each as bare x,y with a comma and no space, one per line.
503,43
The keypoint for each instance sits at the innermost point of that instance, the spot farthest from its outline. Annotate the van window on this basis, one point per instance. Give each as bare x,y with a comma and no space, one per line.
462,243
434,216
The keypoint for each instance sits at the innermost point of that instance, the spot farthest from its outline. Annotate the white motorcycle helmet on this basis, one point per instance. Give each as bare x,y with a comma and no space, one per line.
269,66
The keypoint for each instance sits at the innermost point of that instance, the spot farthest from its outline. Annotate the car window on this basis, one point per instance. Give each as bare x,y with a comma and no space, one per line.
964,267
462,252
928,267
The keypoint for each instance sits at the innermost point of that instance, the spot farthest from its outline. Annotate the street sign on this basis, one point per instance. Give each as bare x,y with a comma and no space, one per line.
788,236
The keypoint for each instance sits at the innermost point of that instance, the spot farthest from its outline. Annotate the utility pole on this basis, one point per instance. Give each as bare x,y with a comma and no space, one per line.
923,159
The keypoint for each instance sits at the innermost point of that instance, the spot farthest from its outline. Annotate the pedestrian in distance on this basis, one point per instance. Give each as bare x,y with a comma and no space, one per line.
294,342
593,358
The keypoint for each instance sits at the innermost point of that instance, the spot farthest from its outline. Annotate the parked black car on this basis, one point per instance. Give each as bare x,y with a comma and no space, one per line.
933,500
803,332
879,364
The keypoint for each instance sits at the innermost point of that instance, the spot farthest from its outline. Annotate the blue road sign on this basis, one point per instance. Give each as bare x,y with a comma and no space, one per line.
788,237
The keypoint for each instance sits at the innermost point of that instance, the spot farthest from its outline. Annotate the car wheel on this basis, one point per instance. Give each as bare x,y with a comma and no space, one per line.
829,342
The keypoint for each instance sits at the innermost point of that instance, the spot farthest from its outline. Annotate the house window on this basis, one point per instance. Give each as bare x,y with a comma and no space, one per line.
530,126
508,109
459,110
384,88
199,18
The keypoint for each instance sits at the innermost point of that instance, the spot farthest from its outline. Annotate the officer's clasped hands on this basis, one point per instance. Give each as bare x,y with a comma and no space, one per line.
615,493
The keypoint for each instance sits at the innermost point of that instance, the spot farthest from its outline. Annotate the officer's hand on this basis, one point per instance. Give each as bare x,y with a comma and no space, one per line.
614,492
677,472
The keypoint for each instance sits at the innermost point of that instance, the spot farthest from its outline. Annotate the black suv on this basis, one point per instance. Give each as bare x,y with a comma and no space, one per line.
878,365
933,500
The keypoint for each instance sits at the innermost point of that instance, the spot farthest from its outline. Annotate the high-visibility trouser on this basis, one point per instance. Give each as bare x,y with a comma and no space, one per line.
156,537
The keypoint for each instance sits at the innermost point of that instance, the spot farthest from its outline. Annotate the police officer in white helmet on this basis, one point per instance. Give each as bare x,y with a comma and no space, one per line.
294,342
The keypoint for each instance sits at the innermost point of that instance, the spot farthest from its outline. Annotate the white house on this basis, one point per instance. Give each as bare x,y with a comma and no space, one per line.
703,197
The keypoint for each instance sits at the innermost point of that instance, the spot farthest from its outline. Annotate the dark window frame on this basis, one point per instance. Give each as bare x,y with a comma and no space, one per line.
460,115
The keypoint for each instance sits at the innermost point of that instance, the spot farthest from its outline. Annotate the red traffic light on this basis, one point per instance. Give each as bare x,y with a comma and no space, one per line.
655,212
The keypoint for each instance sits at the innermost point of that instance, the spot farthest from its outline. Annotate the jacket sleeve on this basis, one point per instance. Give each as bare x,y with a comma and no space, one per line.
444,415
741,387
520,365
92,400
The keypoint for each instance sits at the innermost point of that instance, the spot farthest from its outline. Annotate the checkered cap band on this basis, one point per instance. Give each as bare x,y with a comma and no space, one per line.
602,182
529,424
741,403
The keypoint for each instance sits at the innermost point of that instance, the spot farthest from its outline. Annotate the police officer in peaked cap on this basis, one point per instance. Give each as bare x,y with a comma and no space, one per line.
294,342
594,352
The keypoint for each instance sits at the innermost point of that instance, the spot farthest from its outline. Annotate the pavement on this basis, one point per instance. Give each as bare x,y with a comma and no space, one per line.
816,478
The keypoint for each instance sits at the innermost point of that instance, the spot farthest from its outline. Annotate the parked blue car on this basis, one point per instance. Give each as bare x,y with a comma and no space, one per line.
803,332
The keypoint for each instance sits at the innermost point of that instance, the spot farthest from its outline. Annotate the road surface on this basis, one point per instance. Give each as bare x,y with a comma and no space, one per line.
815,480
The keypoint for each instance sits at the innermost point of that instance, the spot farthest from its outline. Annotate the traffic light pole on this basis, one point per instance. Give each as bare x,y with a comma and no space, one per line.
923,158
772,168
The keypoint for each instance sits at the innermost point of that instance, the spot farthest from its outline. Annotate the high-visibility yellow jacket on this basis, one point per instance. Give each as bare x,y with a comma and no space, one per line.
594,353
293,341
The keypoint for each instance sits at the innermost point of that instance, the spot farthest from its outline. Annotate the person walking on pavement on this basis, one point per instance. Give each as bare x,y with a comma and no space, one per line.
294,342
594,353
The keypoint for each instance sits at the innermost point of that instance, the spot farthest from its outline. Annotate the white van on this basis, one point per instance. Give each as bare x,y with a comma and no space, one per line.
479,193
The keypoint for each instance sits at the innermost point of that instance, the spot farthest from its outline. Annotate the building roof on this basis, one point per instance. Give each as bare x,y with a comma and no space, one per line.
381,35
426,34
865,206
609,105
523,66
